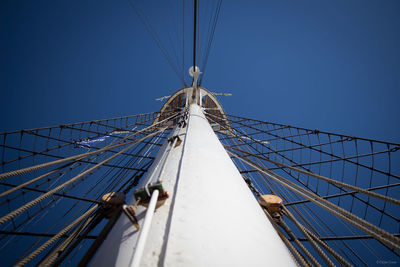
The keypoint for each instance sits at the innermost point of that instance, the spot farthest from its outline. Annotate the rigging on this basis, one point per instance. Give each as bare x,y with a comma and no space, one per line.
194,33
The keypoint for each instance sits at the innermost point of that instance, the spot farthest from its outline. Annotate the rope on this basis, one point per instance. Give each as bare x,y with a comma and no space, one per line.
80,123
183,43
397,145
329,249
319,150
378,195
295,254
313,243
290,174
194,33
296,240
80,156
94,222
155,37
294,251
51,192
53,239
74,205
332,181
33,180
73,236
291,235
47,206
99,240
378,233
346,193
281,223
211,38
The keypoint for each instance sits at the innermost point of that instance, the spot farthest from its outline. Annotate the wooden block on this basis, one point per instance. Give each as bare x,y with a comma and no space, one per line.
272,203
113,198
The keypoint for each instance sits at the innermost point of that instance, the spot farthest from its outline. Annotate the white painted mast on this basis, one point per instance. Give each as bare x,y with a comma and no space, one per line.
211,217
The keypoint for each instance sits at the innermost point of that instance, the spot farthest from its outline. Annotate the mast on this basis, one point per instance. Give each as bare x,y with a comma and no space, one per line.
211,217
70,187
203,210
215,219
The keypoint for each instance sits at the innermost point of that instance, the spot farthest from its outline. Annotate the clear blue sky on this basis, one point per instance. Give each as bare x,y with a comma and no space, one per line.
327,65
331,65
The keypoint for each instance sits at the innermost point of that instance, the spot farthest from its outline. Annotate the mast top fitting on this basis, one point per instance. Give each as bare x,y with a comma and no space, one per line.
195,74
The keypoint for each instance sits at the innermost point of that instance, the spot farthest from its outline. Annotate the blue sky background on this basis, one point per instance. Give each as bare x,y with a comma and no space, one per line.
330,65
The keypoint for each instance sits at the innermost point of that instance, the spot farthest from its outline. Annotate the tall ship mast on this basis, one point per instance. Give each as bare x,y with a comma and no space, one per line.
210,217
192,185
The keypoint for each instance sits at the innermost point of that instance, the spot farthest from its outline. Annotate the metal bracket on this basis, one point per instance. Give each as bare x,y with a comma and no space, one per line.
144,194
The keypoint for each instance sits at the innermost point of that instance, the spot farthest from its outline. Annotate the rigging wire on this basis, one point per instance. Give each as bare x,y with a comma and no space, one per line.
47,207
378,233
194,33
49,193
164,17
281,194
247,138
198,29
310,146
104,189
199,54
210,39
275,189
319,150
183,43
155,37
105,175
